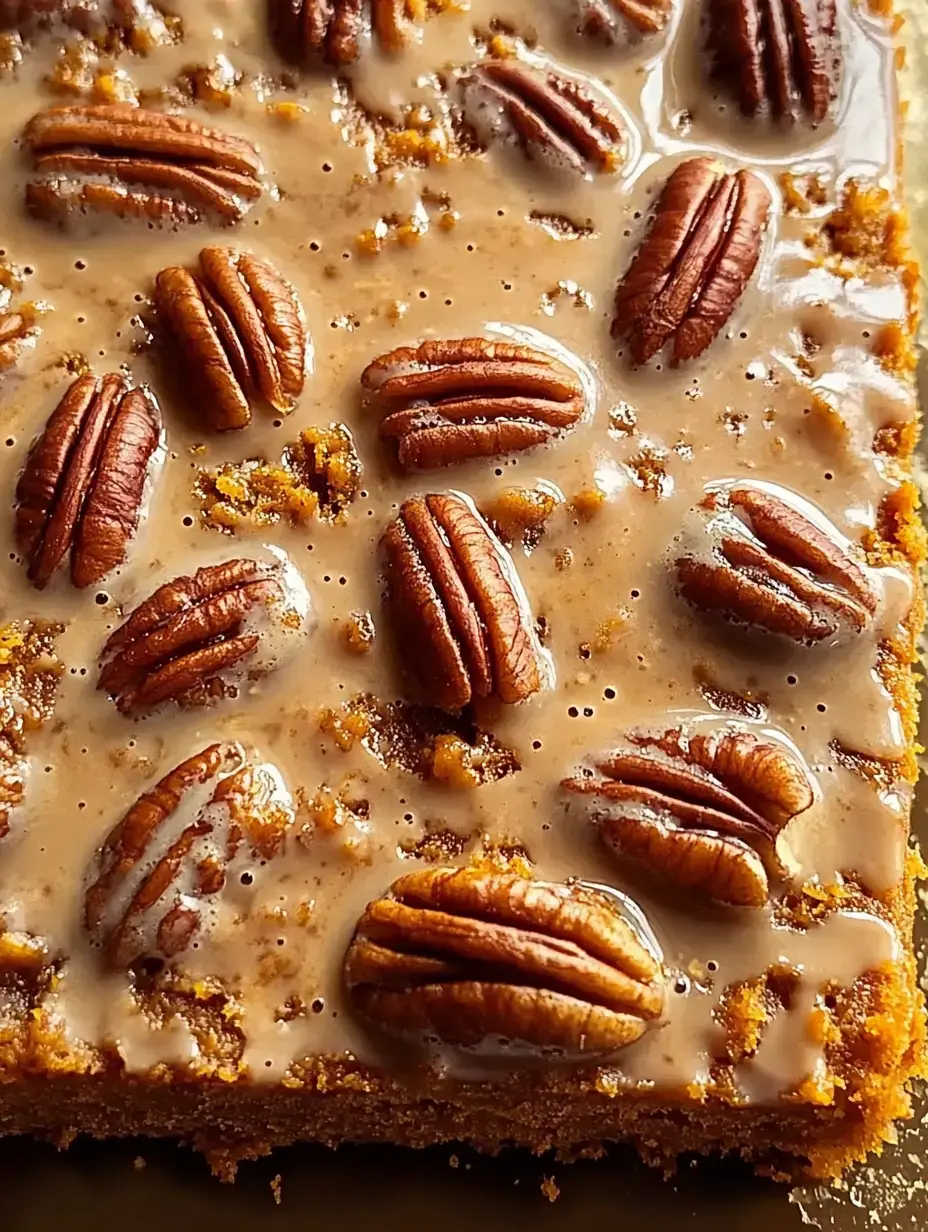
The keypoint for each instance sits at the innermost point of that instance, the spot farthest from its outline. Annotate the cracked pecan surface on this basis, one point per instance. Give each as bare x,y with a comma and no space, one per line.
620,21
550,117
337,31
185,639
778,57
474,957
460,616
702,812
84,483
771,566
161,869
695,262
240,327
117,159
448,402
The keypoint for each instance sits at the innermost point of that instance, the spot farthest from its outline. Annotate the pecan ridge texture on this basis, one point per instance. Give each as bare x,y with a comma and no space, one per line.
459,613
183,642
701,811
161,869
695,262
241,329
551,118
113,158
471,958
451,401
620,21
778,57
336,31
82,489
769,565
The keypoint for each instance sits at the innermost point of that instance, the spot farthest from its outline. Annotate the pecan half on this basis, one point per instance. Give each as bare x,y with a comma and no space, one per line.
17,331
779,57
460,615
471,398
768,564
157,879
85,479
698,257
478,957
701,811
241,329
337,31
620,21
552,118
195,633
134,163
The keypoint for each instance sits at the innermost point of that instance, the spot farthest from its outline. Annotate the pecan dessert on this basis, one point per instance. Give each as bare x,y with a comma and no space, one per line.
552,119
85,481
620,21
459,613
160,872
564,806
770,565
471,958
689,274
703,812
196,633
242,332
468,398
780,58
116,159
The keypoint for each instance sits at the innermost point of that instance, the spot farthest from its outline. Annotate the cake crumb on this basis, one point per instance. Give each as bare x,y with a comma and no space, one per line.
277,1189
550,1189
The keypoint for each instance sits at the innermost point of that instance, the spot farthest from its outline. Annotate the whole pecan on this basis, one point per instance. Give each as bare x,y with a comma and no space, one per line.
336,31
769,564
475,957
85,480
778,57
695,262
193,635
552,118
471,398
702,811
620,21
157,880
459,611
117,159
241,329
17,331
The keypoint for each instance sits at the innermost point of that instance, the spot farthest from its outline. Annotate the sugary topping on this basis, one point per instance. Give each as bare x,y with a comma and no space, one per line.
597,744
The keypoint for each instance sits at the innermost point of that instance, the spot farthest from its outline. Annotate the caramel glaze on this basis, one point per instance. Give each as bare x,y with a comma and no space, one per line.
742,411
